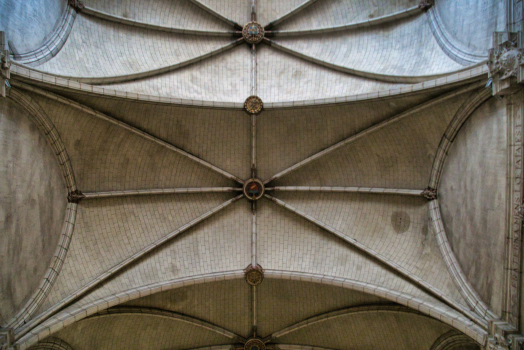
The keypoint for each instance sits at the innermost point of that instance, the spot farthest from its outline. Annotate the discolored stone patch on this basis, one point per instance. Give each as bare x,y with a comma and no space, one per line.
400,221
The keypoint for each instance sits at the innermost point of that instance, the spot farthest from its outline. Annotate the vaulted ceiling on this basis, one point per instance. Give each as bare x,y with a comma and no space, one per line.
127,147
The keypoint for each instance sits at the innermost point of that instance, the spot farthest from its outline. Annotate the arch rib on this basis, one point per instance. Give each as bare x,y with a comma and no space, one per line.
127,193
341,313
467,108
52,46
126,262
130,310
216,14
291,13
46,127
396,79
145,74
128,127
374,128
31,334
118,19
459,278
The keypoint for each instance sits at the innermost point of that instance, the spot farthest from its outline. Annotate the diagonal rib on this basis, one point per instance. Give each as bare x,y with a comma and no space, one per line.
216,14
372,129
388,78
140,24
128,127
291,13
363,24
118,267
434,292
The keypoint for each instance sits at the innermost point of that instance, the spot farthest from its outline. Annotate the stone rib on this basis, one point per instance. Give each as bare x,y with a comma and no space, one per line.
372,129
216,14
385,261
118,267
467,291
128,127
130,310
341,313
127,193
145,74
122,20
291,13
404,192
397,79
412,11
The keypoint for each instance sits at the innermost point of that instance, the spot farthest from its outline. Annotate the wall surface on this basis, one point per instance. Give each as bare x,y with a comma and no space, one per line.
473,194
29,24
32,207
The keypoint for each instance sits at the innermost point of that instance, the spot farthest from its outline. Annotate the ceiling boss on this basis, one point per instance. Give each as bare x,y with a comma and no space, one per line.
253,32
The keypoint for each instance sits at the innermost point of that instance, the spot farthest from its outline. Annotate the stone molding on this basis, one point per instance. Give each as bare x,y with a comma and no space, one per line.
46,127
458,276
77,5
460,117
5,65
444,40
505,62
31,334
53,45
24,73
52,343
451,340
514,195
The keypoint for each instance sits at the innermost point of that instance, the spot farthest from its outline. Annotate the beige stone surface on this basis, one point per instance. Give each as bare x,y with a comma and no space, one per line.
473,203
127,162
178,14
409,44
28,25
398,156
112,49
32,208
375,330
138,332
325,14
144,108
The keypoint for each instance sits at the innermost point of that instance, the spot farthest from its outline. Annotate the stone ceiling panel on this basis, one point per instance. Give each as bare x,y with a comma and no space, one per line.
403,48
137,332
325,14
33,200
168,13
399,155
225,77
29,25
369,331
99,48
221,136
110,230
321,126
282,78
473,199
106,157
238,11
223,303
392,225
287,242
221,243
